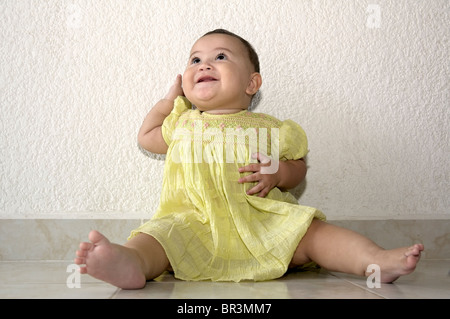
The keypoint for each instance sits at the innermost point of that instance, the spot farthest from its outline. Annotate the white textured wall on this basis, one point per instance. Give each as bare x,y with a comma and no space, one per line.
371,91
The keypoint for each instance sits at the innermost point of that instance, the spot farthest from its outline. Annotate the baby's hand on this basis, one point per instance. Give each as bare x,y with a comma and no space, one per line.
175,90
266,181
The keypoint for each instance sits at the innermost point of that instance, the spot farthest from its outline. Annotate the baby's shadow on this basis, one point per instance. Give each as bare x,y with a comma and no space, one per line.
255,101
158,157
298,190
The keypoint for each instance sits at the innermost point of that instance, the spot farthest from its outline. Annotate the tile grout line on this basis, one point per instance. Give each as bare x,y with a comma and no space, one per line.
359,286
115,293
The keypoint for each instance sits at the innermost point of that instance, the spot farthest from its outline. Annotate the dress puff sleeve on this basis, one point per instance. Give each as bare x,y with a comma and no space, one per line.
180,105
293,141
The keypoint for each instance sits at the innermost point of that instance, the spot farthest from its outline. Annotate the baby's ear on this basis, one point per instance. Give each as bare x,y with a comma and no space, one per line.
254,84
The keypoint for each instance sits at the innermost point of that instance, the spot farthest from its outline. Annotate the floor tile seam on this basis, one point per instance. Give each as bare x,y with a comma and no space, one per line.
22,285
360,286
28,283
72,262
115,293
435,259
36,261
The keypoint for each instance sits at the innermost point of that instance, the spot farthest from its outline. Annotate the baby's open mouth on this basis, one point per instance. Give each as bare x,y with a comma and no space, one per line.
206,79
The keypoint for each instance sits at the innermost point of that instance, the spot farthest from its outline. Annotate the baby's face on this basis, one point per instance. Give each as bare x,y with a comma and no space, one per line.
218,74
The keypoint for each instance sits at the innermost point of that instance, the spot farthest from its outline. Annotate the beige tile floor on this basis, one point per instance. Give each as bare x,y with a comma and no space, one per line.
49,280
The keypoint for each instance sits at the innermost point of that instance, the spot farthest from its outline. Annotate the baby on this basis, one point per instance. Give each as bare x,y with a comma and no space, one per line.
224,213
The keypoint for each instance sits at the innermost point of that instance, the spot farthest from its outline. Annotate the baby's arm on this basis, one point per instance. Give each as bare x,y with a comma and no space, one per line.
289,174
150,135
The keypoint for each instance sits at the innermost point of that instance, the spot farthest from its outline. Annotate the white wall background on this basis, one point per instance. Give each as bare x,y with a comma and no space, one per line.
371,91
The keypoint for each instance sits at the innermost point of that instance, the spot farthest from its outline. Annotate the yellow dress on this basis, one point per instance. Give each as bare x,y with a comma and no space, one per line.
208,226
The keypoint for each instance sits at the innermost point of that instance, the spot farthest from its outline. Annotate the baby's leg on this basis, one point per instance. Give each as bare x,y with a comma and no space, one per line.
127,266
339,249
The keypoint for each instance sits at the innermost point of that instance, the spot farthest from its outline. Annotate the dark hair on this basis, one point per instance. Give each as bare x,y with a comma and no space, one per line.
251,51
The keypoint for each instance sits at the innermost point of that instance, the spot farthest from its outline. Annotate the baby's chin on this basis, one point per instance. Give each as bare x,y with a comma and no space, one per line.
201,105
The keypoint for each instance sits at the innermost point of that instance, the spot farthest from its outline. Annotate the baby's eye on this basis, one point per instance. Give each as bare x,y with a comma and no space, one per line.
195,60
221,56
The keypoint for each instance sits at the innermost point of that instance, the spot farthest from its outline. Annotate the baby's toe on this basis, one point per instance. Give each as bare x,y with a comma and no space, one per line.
85,246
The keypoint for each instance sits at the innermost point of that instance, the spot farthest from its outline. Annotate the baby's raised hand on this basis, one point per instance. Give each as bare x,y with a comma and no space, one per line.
175,90
265,181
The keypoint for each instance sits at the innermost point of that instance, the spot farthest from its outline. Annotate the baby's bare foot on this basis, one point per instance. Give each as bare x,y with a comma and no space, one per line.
399,262
115,264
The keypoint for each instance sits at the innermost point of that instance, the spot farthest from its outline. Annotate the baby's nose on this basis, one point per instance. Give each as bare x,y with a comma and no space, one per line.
205,67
